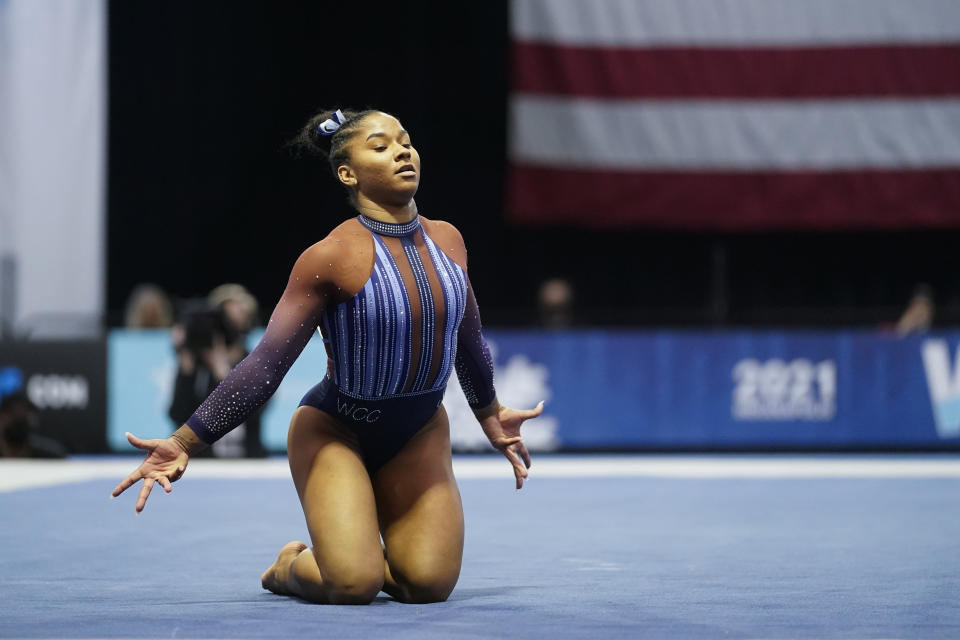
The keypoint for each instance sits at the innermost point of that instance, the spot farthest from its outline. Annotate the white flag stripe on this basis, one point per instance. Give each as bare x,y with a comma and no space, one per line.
735,135
646,23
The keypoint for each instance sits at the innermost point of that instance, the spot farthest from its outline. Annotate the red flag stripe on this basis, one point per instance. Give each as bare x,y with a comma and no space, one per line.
695,72
735,200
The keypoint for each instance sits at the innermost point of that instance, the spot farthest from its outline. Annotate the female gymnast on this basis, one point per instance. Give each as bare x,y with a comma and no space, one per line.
369,446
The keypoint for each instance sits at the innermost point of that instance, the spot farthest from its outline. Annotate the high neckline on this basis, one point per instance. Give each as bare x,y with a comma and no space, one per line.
390,228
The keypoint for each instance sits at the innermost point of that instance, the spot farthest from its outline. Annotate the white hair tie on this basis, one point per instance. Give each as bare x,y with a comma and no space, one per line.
328,127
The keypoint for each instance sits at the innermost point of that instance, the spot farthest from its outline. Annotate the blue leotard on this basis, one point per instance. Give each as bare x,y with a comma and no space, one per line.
391,345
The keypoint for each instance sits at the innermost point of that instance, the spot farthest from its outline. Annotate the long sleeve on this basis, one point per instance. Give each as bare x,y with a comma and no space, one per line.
251,383
185,398
474,364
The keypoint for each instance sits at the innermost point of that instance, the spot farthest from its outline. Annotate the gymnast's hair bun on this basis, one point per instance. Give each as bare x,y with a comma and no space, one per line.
326,135
327,132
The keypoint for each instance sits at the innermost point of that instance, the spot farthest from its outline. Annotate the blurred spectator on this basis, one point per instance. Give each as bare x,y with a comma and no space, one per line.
18,424
210,339
918,316
555,303
147,308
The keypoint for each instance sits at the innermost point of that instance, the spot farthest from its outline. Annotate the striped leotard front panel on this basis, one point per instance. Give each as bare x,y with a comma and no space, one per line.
398,334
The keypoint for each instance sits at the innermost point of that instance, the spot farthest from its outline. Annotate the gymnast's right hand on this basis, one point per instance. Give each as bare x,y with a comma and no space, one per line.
165,462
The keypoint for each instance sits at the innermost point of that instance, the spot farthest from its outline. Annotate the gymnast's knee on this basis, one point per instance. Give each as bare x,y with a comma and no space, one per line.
354,589
424,591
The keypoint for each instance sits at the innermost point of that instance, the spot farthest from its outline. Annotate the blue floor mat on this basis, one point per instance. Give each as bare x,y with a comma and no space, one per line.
565,558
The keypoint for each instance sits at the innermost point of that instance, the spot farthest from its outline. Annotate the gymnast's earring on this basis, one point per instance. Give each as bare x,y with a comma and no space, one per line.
329,126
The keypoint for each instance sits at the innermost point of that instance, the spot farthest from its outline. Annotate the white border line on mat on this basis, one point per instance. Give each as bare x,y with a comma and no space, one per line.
29,474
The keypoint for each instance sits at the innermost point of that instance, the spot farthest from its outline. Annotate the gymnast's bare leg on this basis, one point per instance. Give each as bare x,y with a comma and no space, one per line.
420,515
345,563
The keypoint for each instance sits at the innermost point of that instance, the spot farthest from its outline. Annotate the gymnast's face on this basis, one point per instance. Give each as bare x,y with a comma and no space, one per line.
384,166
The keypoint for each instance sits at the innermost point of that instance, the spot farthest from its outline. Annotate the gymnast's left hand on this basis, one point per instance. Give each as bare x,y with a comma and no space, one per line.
503,431
165,462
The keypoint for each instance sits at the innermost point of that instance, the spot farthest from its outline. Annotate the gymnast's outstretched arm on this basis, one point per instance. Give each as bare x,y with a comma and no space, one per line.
474,368
317,277
500,423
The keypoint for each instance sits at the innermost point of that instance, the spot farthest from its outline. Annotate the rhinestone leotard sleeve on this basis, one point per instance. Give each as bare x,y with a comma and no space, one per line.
474,364
256,377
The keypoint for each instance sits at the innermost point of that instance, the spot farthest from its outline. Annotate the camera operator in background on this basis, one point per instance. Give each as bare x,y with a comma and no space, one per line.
210,339
240,309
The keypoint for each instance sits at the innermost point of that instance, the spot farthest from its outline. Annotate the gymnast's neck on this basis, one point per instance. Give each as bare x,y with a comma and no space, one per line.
395,213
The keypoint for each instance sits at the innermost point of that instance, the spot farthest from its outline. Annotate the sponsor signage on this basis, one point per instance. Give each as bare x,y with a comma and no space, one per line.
630,390
737,389
943,383
66,380
779,390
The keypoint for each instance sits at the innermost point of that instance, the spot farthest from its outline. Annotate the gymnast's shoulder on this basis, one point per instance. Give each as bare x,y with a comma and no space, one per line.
343,258
448,238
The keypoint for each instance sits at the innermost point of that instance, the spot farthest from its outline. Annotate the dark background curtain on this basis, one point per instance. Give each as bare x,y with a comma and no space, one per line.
204,96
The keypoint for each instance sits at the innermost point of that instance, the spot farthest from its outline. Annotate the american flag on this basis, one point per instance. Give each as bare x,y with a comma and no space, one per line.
735,114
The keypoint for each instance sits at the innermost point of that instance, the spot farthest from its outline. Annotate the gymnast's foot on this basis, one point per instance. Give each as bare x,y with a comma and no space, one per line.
275,578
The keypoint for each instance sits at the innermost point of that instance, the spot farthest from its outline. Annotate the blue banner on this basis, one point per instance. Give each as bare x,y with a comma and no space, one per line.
747,389
645,389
